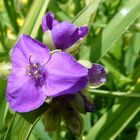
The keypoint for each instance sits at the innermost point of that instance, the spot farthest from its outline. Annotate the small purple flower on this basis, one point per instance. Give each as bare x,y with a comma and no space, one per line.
97,75
64,34
37,74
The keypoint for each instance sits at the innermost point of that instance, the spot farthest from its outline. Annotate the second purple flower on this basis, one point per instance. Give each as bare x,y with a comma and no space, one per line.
64,34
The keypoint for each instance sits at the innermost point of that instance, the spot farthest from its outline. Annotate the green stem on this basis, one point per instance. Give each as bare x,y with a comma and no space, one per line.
113,93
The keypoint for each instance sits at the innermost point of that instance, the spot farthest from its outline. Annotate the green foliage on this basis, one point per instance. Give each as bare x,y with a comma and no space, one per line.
113,40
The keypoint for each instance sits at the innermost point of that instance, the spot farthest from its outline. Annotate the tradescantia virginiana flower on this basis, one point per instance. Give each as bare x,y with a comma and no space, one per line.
64,34
97,75
37,74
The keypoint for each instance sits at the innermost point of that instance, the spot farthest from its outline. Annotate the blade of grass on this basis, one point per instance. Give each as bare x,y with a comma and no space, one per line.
106,120
34,17
109,63
38,21
118,25
83,17
113,93
23,123
12,14
132,53
114,120
122,121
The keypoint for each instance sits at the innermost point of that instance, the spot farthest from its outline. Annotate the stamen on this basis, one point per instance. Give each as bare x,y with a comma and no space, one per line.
36,72
28,73
29,67
35,66
36,76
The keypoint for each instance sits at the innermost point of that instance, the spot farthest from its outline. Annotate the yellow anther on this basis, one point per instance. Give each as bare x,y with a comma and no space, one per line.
28,73
36,76
29,67
35,66
36,72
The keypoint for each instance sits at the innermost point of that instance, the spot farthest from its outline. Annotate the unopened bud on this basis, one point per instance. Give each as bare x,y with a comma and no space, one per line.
52,119
74,122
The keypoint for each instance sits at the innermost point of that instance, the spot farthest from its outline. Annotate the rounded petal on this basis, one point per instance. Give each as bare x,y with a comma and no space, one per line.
97,75
48,22
66,34
22,94
65,75
27,47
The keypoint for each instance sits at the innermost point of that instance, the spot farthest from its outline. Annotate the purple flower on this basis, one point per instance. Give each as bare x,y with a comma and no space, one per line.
97,75
37,74
64,34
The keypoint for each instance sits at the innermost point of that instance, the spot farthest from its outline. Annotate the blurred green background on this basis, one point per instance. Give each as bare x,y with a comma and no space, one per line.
113,41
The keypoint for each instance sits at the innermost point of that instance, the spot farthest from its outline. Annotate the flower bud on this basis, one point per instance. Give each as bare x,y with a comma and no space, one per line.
97,75
52,119
78,103
74,122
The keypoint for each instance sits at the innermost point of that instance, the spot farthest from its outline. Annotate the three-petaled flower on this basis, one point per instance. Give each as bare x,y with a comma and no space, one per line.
37,74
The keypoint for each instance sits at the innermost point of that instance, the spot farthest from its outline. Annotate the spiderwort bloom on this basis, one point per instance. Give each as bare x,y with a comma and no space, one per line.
64,34
37,74
97,75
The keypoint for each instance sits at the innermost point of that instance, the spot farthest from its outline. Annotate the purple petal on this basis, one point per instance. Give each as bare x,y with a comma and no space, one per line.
65,75
27,47
66,34
48,22
22,94
97,74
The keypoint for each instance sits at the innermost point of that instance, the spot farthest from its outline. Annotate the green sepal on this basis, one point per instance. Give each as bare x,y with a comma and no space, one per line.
52,119
47,39
73,121
78,103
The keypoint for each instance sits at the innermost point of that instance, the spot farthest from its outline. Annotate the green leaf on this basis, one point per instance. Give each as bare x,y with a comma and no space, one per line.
114,120
118,25
39,132
118,76
12,14
34,17
84,16
138,135
3,107
23,123
132,53
113,93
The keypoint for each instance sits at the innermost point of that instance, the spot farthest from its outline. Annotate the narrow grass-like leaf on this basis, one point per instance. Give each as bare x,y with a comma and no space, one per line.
23,123
107,61
34,17
138,135
122,121
39,131
132,53
38,21
118,25
12,14
84,16
114,120
113,93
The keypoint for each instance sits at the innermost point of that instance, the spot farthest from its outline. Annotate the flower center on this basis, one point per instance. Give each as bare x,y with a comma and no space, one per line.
36,72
